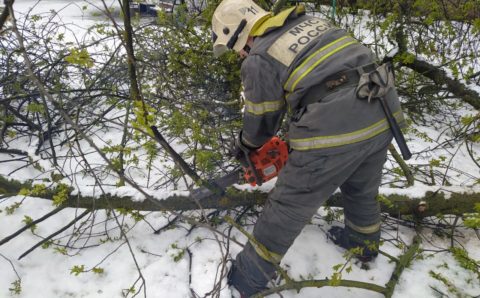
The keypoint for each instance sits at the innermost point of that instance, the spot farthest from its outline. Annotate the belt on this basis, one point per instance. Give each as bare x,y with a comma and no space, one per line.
335,82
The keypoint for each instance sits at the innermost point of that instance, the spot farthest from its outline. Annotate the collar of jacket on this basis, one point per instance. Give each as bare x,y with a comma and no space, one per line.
277,21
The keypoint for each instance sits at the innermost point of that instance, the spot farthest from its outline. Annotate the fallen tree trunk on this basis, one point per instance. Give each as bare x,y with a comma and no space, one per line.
431,204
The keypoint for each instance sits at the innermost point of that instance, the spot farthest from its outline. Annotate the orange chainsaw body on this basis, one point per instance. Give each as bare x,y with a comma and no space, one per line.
267,160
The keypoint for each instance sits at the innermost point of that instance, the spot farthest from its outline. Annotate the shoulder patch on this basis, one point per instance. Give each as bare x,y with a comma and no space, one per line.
290,43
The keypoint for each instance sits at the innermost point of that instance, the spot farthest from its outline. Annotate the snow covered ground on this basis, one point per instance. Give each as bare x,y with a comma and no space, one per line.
170,271
183,262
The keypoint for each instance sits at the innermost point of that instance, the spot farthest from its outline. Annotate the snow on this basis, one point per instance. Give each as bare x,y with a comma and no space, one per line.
181,260
136,196
46,272
442,263
420,189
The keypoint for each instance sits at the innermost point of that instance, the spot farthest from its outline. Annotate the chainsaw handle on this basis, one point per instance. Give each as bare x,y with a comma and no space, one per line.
258,179
246,154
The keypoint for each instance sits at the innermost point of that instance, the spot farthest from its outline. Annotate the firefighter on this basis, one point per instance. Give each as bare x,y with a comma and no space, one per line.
338,133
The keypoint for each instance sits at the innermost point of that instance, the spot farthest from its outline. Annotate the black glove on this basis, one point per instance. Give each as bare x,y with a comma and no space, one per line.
240,151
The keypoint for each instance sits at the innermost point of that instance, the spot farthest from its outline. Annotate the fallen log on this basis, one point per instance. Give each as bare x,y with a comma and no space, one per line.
431,204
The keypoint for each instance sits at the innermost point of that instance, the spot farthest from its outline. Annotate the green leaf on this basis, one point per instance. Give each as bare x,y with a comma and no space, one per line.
61,250
76,270
472,220
98,270
16,288
28,220
61,195
337,267
36,108
335,279
476,26
79,57
465,261
11,209
56,177
435,163
382,199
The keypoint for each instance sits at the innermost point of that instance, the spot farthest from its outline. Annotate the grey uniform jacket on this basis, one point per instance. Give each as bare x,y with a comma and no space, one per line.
280,71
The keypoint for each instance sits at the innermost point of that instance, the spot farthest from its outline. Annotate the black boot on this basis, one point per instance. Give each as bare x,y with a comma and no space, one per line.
237,280
350,239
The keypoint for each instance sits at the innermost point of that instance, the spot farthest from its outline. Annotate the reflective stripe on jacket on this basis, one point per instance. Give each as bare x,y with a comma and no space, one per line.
285,63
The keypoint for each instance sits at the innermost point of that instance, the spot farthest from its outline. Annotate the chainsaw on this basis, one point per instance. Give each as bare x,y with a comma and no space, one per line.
263,164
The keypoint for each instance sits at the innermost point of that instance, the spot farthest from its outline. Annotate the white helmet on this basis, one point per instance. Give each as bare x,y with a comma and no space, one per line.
232,22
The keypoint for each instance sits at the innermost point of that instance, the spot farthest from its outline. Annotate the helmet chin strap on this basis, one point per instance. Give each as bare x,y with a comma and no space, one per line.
247,48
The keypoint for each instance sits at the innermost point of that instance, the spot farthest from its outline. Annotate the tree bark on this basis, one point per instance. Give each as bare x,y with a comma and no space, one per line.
4,14
431,204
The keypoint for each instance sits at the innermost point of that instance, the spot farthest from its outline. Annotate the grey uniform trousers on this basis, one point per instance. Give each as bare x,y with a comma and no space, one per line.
304,184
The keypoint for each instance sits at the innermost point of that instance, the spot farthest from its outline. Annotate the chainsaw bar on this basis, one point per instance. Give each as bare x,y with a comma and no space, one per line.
222,183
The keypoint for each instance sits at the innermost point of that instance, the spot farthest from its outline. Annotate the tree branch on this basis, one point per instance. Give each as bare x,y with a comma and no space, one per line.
403,165
56,233
440,77
13,151
137,96
297,285
27,226
403,263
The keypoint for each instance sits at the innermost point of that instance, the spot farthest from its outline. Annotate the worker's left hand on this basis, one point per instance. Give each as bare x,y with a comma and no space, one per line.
240,151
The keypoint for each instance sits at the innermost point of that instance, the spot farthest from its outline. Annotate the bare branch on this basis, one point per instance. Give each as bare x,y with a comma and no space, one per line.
27,226
441,78
56,233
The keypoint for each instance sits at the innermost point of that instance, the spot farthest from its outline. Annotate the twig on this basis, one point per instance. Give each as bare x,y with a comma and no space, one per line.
297,285
403,165
392,258
181,162
403,263
170,222
56,233
190,260
26,227
13,151
439,292
454,226
11,264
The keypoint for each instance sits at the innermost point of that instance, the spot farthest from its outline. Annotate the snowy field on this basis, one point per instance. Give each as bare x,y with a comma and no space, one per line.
183,262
